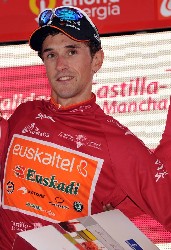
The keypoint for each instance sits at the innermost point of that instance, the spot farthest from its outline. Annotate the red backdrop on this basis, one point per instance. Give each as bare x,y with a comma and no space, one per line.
18,18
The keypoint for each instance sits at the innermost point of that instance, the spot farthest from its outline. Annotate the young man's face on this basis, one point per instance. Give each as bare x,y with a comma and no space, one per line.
70,68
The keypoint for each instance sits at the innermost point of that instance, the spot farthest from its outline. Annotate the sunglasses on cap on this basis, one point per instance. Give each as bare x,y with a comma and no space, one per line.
63,13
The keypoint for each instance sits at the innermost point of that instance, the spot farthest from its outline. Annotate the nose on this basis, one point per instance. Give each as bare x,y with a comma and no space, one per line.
61,63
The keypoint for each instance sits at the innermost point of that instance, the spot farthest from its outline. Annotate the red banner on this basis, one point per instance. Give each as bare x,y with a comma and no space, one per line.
26,84
18,18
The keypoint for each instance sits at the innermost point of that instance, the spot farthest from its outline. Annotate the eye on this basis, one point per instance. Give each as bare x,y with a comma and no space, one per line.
72,52
50,55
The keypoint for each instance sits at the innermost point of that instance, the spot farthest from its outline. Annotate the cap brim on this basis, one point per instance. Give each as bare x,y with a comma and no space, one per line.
38,36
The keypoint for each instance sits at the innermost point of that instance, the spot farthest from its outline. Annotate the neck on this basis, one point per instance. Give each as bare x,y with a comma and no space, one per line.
68,104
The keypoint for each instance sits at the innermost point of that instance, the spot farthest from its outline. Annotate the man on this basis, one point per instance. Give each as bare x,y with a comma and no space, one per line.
66,158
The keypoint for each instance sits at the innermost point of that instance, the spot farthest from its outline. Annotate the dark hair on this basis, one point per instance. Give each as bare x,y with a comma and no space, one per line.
93,46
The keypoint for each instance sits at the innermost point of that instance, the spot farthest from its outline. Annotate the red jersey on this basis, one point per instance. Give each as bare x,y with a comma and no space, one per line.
3,136
68,163
164,148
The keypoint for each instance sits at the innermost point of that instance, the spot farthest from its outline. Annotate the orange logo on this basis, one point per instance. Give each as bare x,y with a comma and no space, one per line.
164,9
42,5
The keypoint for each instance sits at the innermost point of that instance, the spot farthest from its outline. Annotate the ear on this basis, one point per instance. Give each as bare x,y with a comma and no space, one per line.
98,60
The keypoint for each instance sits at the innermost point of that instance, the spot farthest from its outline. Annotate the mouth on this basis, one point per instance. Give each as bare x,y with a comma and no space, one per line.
65,78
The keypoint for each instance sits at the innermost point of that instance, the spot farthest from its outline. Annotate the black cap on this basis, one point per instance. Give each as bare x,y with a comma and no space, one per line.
70,20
